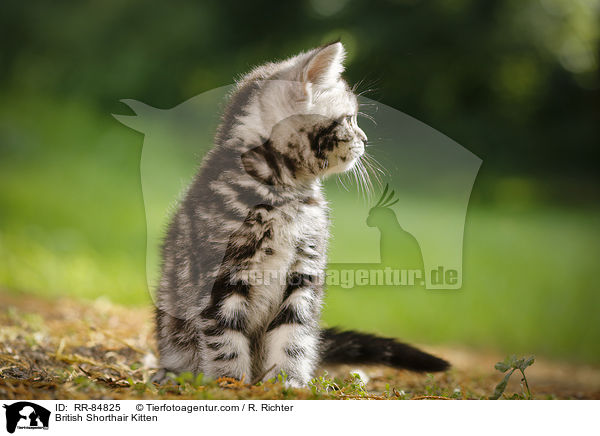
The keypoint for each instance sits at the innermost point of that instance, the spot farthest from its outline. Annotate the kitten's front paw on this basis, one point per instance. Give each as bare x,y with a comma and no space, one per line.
160,377
295,384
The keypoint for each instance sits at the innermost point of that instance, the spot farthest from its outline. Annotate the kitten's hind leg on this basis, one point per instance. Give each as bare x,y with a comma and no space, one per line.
228,354
227,344
292,337
178,344
292,350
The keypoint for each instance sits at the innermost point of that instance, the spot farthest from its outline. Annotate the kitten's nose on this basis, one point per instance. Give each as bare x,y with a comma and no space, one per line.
361,135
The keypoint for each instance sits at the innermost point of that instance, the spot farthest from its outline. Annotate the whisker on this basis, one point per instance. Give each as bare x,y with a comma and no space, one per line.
367,167
358,84
359,180
368,117
371,86
365,91
339,181
375,163
366,182
372,174
374,169
356,178
374,142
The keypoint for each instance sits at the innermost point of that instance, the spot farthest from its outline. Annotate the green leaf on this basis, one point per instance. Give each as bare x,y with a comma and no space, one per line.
500,387
199,379
502,366
526,362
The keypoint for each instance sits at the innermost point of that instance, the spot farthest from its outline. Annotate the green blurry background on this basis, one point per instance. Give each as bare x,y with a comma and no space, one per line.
516,82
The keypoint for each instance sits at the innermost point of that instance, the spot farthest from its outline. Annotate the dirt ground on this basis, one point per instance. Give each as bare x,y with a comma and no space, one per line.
64,349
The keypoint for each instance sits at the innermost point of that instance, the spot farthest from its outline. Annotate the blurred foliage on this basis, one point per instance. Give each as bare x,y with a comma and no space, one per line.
515,81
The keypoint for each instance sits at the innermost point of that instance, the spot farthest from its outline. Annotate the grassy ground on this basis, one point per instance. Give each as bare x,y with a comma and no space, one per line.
65,349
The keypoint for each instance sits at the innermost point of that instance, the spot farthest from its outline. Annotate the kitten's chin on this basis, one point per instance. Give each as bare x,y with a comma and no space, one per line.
349,165
342,166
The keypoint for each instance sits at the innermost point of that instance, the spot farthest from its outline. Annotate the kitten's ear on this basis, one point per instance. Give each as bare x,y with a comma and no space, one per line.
325,66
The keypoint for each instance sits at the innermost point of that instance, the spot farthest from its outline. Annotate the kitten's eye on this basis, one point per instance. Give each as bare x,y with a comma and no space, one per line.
349,118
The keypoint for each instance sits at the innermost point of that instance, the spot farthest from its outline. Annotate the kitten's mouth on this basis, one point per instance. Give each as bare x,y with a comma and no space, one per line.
347,161
356,151
359,150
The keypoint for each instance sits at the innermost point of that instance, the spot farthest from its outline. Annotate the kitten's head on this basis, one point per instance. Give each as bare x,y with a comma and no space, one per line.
305,116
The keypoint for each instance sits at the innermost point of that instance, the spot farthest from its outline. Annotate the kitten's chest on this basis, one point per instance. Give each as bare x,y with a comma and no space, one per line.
295,228
292,228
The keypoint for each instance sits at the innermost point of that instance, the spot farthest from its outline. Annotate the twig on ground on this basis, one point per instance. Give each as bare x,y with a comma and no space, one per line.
430,397
118,339
257,379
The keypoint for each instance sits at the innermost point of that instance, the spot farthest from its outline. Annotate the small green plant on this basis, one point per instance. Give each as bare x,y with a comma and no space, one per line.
188,379
508,366
386,393
432,388
351,386
323,385
355,385
282,377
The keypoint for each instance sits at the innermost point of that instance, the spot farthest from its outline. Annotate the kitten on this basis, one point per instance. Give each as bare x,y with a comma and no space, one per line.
244,257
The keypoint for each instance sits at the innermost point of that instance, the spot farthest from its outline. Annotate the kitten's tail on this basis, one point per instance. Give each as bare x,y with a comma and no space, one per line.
362,348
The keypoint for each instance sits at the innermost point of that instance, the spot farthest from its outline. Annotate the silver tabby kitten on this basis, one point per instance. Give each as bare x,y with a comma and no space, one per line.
245,254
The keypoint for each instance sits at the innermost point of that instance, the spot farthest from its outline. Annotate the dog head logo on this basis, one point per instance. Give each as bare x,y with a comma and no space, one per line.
26,415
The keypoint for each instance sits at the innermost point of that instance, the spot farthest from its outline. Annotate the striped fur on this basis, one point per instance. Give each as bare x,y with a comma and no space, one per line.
243,260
